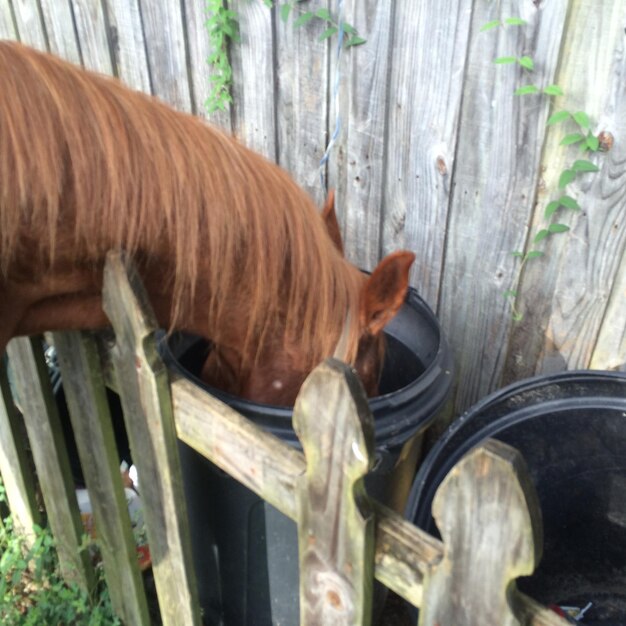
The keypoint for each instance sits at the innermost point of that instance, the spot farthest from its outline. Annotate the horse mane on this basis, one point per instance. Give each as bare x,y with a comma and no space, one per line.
85,158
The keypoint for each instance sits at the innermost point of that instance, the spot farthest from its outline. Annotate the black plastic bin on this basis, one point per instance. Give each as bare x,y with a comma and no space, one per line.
571,430
245,551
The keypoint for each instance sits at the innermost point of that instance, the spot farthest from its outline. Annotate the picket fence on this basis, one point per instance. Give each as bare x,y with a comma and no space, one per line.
486,509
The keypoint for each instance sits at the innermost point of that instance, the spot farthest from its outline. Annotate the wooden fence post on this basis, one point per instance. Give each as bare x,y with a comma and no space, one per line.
91,422
335,520
143,386
17,476
50,455
488,515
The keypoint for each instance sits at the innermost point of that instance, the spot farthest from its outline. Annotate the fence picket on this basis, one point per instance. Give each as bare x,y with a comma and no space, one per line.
17,476
91,422
50,455
335,519
144,391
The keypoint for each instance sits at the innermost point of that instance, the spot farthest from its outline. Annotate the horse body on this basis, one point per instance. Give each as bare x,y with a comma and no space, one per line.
228,246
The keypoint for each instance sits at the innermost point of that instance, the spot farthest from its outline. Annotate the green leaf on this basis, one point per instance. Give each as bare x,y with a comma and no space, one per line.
348,28
517,254
355,41
324,14
567,176
517,316
582,119
541,235
285,10
304,18
527,63
558,228
534,254
593,143
568,140
553,90
505,60
515,21
559,116
585,166
569,203
551,209
510,293
490,25
329,32
528,89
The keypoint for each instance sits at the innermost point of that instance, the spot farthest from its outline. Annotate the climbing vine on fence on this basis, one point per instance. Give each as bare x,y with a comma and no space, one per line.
222,25
581,135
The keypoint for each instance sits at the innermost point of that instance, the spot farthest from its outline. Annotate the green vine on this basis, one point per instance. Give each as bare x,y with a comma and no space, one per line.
581,135
222,25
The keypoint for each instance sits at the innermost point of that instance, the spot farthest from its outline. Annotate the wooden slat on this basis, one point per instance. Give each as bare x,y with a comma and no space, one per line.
167,58
484,510
127,43
29,26
199,69
495,174
143,387
49,453
335,521
253,79
565,295
91,422
7,26
302,101
59,25
356,162
17,476
425,91
92,33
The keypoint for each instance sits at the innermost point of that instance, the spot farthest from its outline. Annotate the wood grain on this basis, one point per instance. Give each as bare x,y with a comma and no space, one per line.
17,476
335,522
43,426
59,25
30,29
92,33
144,391
93,431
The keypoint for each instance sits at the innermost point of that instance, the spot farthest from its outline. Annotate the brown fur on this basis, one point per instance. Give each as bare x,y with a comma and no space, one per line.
227,243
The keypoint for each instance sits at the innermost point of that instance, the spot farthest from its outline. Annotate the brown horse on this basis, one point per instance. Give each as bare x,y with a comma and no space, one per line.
228,246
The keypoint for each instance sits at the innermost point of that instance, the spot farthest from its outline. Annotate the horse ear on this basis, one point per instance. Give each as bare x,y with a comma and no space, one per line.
330,220
384,291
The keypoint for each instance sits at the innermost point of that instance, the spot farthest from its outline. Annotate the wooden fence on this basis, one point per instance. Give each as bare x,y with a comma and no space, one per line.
345,539
435,153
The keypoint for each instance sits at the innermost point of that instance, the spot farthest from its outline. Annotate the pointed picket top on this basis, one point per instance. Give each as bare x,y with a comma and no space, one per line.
488,515
335,523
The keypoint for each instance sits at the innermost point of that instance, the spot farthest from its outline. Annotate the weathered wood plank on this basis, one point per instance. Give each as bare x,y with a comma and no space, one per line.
426,84
59,25
335,522
356,164
7,25
28,22
167,58
126,40
494,174
302,101
49,453
488,514
200,71
143,387
92,33
91,422
17,476
564,296
253,79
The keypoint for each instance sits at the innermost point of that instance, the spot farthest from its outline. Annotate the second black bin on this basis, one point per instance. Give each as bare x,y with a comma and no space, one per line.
571,429
245,551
